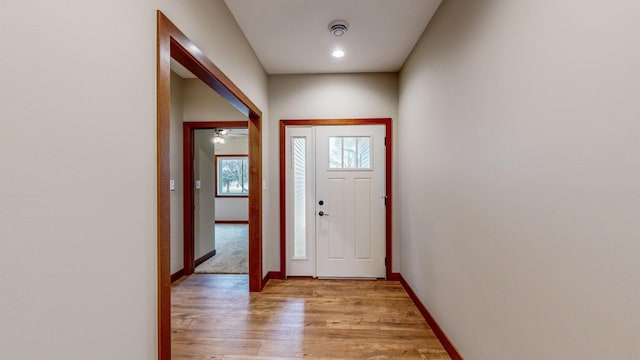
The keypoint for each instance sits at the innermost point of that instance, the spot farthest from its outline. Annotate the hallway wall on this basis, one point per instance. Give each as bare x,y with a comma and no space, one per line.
78,215
202,103
519,170
204,214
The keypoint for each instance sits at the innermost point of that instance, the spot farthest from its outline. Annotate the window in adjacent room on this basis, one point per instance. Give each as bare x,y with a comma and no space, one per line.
232,175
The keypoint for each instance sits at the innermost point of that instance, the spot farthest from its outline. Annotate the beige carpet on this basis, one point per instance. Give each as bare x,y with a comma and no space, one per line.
232,248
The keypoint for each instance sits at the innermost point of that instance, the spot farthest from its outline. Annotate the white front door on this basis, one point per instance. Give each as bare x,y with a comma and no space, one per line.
336,201
350,201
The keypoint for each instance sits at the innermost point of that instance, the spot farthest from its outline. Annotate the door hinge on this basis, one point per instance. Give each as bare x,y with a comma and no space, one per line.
385,141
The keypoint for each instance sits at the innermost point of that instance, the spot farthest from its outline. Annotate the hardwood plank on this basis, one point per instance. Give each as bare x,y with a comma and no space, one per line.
215,317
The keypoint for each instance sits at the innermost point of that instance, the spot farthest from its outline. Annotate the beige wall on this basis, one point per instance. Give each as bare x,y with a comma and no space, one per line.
203,198
201,103
519,172
232,208
233,146
323,97
88,228
175,169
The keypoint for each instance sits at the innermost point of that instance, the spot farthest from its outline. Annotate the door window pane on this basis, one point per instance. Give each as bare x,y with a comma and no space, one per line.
350,152
335,152
364,152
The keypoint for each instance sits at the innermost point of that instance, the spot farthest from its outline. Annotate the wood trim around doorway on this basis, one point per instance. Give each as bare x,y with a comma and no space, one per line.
187,177
390,275
172,43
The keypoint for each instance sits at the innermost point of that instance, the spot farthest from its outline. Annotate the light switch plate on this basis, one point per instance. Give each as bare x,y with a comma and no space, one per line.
264,185
172,185
198,184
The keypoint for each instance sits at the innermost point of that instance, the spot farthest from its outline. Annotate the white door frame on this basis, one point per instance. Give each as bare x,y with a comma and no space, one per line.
390,275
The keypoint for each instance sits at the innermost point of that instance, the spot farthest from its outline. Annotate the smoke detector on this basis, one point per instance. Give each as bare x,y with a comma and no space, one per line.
338,27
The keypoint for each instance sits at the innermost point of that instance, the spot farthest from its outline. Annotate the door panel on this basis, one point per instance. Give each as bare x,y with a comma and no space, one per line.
362,218
350,180
336,195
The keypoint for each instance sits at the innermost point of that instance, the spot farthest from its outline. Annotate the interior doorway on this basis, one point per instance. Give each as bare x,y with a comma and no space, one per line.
200,221
173,44
228,189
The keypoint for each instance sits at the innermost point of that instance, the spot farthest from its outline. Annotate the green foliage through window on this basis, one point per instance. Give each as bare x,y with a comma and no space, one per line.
232,175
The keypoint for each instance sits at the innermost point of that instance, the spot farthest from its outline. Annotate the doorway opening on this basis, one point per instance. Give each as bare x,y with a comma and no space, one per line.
228,187
201,145
331,246
173,44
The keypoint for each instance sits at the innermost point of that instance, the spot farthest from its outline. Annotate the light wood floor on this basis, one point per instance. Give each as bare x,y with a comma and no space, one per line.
214,317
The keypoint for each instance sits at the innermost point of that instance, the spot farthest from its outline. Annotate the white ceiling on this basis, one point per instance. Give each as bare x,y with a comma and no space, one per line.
292,36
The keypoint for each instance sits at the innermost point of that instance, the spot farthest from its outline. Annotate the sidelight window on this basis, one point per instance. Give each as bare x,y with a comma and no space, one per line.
299,196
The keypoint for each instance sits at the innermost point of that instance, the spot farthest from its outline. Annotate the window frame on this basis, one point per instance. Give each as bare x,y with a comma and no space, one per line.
220,157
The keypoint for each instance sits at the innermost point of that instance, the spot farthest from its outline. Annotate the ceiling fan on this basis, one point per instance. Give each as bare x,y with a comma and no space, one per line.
220,134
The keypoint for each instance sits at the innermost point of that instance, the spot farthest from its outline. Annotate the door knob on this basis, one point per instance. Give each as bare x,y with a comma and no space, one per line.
322,213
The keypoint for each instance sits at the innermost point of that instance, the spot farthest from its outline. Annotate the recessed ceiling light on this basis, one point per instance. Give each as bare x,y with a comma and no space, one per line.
338,53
